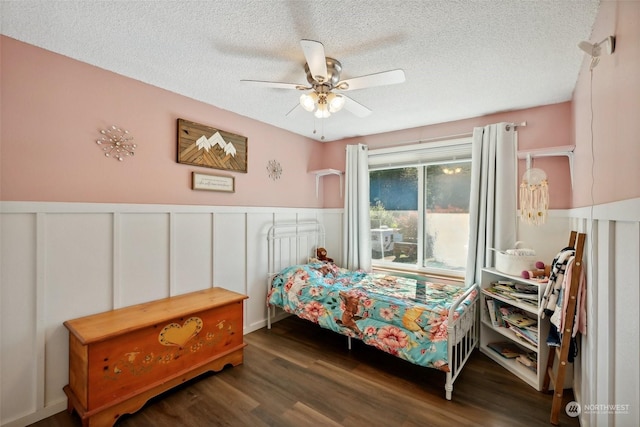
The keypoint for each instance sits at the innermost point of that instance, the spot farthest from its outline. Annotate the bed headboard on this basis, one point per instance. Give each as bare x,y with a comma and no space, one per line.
291,243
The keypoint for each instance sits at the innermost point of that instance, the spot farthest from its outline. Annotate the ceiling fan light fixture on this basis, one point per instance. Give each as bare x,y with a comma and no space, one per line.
322,114
308,101
336,102
323,76
323,109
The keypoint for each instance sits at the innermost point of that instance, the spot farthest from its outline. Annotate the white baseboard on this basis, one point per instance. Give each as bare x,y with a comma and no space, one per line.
34,417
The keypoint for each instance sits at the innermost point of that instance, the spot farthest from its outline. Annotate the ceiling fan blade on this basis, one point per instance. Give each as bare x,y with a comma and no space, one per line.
276,85
378,79
355,107
296,107
314,54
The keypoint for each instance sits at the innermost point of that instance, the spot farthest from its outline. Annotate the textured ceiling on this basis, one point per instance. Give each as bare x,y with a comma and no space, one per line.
461,58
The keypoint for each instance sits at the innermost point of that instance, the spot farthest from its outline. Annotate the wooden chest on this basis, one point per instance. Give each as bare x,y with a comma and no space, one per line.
121,358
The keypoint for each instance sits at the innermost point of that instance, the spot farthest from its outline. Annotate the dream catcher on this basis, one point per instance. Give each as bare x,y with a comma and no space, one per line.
534,195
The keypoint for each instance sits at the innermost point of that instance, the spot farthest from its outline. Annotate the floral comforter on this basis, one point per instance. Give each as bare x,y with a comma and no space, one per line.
400,316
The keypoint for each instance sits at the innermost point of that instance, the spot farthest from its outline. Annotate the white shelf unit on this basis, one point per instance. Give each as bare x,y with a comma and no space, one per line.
490,333
324,172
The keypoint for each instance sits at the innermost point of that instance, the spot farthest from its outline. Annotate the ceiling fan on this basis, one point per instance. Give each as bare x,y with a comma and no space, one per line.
323,75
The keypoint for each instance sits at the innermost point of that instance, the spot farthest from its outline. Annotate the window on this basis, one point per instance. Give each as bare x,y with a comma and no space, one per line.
419,205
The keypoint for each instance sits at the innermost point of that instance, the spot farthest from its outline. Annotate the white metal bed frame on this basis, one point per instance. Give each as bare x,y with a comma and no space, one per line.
293,243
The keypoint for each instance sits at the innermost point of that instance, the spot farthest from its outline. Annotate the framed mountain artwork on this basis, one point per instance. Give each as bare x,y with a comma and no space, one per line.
201,145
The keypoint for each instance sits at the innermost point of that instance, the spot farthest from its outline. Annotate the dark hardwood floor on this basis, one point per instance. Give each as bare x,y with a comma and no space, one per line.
297,374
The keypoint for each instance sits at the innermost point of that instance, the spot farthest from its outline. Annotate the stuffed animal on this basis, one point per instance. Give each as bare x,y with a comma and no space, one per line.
349,315
542,272
322,255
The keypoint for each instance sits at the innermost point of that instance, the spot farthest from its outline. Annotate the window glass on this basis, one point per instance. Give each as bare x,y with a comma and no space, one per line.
446,219
394,215
420,217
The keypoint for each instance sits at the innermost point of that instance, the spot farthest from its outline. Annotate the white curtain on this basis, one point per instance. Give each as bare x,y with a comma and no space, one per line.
493,206
357,224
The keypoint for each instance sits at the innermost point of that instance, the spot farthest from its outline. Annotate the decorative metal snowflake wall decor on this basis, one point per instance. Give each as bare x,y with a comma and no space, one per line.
274,169
115,142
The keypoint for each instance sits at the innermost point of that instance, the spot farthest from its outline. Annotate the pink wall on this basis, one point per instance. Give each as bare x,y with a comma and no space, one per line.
616,123
547,126
614,147
53,107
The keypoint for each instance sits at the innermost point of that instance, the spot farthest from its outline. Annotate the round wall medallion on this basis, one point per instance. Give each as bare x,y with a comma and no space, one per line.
274,169
116,143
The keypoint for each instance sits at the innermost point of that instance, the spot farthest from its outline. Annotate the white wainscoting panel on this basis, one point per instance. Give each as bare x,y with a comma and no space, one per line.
143,256
79,263
65,260
191,252
19,336
547,239
256,305
332,220
607,372
230,251
627,323
78,260
61,261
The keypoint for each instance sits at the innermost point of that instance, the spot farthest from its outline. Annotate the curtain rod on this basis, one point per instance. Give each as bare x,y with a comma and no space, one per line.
459,135
434,139
517,125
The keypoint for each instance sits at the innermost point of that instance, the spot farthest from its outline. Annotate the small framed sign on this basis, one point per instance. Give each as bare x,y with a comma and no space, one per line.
201,181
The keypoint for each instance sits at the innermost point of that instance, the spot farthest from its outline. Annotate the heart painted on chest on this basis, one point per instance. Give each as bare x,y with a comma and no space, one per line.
175,335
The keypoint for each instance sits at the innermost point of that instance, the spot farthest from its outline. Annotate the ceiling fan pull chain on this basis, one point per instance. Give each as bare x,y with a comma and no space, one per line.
321,128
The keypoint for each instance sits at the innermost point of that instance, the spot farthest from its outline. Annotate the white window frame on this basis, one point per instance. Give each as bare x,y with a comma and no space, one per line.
420,155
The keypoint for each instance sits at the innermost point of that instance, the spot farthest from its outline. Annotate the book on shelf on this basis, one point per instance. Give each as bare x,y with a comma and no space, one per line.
530,289
491,309
503,288
531,304
519,319
498,308
506,349
527,294
516,316
530,360
525,335
495,292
